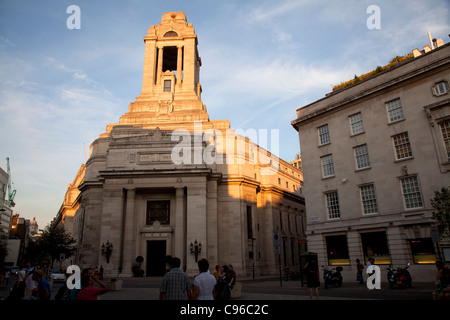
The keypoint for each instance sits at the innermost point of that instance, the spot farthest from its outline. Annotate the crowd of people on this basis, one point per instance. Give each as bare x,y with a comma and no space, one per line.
30,283
216,285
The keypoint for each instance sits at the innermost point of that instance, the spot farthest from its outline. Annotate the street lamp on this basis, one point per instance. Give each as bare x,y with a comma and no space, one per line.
107,250
196,248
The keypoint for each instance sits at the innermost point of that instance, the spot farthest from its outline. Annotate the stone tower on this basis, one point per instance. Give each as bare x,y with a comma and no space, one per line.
171,89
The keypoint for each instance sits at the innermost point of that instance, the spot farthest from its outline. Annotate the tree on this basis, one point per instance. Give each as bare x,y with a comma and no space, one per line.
441,203
55,241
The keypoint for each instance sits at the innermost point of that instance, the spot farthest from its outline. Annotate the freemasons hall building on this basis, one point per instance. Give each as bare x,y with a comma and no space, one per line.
168,181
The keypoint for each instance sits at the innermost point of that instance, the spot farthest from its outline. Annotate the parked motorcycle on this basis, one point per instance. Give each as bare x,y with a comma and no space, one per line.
399,278
332,277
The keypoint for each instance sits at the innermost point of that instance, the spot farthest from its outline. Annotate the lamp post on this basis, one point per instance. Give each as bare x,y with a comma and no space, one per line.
107,250
196,248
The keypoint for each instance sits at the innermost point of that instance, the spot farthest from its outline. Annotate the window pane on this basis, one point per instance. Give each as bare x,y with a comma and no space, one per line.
158,210
362,157
167,85
423,251
375,246
411,192
445,129
395,110
337,250
402,146
369,199
441,88
324,135
327,165
356,123
333,205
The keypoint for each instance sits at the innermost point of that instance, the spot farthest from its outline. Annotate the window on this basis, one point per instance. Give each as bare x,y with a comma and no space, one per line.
402,146
395,110
249,223
167,85
411,192
356,123
362,157
158,210
375,245
337,250
327,166
369,199
440,88
324,135
423,251
445,129
333,205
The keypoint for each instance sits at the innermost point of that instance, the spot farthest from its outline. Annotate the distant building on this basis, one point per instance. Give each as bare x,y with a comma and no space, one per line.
20,230
167,180
5,210
71,203
373,154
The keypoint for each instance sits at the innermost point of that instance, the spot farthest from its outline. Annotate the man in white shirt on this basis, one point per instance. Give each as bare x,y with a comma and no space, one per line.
204,283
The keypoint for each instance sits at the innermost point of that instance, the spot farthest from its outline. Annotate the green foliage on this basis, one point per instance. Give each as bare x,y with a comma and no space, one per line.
441,203
51,244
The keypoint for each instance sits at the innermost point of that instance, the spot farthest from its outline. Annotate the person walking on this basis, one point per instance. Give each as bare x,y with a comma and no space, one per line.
359,271
176,284
312,276
204,283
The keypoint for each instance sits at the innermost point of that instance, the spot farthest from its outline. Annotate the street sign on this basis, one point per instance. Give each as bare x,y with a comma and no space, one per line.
276,242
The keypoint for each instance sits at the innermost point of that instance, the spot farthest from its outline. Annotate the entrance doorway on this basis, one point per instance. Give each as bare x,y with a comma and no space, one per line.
156,255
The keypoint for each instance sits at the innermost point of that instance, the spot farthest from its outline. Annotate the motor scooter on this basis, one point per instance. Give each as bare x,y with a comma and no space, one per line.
399,278
332,278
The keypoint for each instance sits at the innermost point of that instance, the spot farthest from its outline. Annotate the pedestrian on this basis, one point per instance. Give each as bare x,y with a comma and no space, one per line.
230,274
312,276
18,291
369,265
442,281
6,278
88,291
359,272
204,283
176,284
215,272
31,285
220,285
101,273
43,289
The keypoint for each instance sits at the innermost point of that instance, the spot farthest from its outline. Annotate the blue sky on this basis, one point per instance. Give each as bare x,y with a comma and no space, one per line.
261,60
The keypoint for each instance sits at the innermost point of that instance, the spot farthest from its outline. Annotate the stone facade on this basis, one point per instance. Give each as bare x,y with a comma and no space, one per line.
167,176
373,155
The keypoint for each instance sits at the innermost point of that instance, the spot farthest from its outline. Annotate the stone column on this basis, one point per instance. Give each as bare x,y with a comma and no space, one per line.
180,236
160,64
128,234
179,65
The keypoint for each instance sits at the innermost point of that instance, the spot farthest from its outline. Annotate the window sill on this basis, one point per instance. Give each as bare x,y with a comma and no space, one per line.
328,177
322,145
357,134
396,121
403,159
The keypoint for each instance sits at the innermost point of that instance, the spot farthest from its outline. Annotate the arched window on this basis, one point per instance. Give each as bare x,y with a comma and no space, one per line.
171,34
